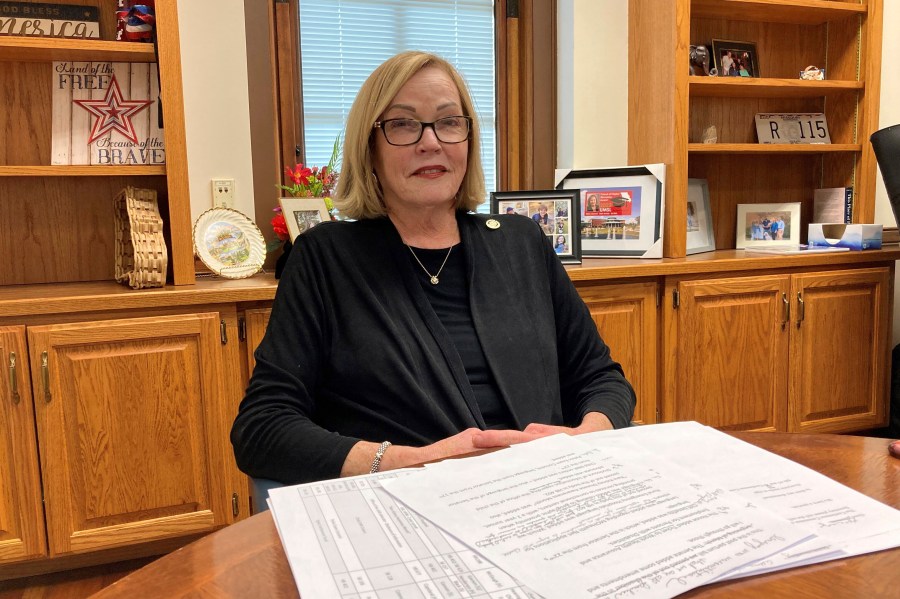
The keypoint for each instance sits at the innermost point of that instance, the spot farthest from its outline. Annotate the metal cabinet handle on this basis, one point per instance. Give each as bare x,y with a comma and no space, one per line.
802,309
45,376
13,379
786,310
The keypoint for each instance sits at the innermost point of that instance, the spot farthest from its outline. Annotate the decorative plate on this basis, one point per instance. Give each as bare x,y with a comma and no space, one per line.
229,243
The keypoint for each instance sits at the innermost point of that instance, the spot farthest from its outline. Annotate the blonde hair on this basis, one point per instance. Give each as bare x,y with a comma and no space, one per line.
358,194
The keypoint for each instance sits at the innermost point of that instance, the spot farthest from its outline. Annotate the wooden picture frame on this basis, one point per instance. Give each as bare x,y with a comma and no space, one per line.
755,224
302,214
700,234
559,220
735,59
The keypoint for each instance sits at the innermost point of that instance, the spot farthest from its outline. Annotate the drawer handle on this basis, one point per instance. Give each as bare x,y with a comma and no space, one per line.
45,376
13,379
786,310
802,309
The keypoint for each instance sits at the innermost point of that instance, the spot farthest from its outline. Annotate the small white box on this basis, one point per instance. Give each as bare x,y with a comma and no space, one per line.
853,236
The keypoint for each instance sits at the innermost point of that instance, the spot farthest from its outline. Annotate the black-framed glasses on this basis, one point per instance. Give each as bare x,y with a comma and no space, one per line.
406,132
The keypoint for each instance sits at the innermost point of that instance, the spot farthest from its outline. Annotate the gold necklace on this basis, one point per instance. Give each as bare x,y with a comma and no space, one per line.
431,277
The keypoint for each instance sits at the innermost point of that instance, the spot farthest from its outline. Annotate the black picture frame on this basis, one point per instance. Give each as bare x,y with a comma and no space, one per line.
628,228
561,222
743,54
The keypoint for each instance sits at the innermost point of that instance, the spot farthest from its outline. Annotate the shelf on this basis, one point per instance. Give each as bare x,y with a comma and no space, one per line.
743,87
800,12
699,148
66,170
38,49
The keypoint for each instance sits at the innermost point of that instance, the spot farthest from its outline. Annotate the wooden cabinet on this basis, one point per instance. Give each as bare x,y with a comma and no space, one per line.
21,514
58,220
669,110
791,352
626,316
839,350
114,432
727,346
128,419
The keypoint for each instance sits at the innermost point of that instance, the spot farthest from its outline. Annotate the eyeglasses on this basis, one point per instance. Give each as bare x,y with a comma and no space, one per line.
406,132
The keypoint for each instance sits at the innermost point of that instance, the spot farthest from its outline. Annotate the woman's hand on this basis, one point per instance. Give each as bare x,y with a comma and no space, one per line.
359,460
592,422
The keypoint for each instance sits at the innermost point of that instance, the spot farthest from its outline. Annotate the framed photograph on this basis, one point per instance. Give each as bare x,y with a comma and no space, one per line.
555,210
620,210
302,214
700,235
735,59
767,225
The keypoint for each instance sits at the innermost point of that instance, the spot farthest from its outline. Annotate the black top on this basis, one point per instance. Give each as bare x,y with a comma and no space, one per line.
354,351
450,300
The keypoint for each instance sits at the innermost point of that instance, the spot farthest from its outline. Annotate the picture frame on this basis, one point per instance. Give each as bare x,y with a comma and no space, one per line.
754,225
560,221
620,210
302,214
735,59
700,234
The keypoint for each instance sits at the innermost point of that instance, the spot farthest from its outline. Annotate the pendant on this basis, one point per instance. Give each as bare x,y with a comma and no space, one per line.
434,280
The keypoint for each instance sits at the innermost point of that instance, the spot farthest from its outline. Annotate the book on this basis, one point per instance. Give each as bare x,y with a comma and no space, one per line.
794,249
833,205
38,19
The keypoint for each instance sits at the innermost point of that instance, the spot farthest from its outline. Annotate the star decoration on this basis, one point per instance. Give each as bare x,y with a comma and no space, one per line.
113,113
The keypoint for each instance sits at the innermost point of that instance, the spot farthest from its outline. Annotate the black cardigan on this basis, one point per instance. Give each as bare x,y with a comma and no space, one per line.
354,350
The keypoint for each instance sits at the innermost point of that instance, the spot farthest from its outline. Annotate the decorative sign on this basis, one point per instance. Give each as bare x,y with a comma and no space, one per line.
35,19
106,114
792,128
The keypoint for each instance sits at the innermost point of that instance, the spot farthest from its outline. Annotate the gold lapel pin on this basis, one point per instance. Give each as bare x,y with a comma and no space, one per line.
492,223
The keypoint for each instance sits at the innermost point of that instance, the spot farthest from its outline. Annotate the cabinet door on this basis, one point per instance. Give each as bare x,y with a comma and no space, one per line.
129,417
257,321
727,352
626,316
839,349
21,515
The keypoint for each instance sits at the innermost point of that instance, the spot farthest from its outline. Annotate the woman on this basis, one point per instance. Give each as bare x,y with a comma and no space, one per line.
420,331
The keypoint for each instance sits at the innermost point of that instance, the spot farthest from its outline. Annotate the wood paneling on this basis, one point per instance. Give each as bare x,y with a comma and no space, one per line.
21,514
839,343
103,439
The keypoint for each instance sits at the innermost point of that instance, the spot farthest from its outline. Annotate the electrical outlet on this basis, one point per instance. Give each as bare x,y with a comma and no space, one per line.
223,193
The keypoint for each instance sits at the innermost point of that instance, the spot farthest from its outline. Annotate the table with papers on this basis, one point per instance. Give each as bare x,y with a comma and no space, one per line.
650,511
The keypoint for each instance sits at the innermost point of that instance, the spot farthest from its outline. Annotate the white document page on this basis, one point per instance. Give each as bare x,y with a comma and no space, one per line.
347,538
570,521
845,521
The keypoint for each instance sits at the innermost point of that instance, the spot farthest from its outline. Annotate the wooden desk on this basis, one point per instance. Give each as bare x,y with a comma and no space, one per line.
246,559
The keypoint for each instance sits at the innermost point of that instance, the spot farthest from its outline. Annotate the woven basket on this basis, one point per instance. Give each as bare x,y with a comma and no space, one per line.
141,256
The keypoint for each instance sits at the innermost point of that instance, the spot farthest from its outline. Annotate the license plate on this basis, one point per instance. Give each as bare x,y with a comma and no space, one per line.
792,128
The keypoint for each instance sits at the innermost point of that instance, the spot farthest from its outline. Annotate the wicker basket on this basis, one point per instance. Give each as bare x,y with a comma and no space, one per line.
141,255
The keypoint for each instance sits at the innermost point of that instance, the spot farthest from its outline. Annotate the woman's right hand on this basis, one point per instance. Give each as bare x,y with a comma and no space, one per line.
361,455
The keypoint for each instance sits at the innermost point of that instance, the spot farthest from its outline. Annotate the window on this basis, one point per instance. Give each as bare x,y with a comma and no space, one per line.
342,41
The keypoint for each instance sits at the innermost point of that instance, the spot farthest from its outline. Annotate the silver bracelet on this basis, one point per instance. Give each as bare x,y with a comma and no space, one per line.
378,455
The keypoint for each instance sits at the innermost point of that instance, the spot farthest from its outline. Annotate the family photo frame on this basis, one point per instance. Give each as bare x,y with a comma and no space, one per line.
700,234
302,214
735,59
767,225
554,210
620,210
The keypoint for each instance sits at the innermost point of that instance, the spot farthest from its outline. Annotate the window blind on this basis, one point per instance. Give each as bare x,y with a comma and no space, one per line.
343,41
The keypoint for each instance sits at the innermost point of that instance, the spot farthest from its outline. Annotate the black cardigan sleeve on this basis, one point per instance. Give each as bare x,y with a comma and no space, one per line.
590,381
274,435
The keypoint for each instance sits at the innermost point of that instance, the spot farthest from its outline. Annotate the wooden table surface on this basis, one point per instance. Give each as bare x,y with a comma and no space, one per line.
247,560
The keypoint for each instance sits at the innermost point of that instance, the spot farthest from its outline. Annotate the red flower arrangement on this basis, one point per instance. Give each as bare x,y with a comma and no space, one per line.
308,182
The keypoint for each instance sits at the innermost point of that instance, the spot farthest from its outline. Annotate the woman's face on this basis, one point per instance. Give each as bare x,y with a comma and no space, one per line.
427,173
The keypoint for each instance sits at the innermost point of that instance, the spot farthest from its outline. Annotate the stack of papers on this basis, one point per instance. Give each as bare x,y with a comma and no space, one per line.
649,511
